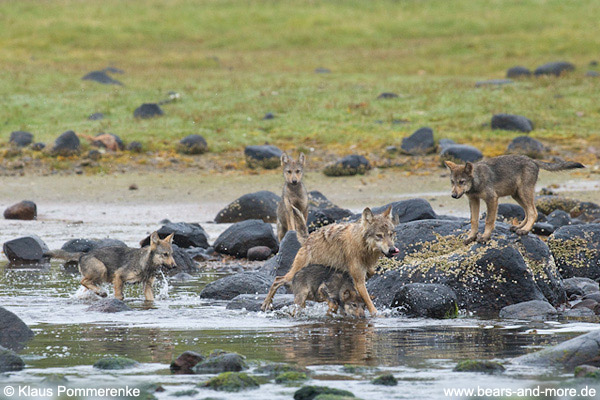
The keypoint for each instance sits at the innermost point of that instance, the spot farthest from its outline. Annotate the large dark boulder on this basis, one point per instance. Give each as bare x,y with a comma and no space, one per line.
317,200
282,262
193,144
186,235
101,77
556,68
584,349
350,165
86,245
548,203
148,110
183,261
221,363
253,302
518,72
527,146
426,300
419,143
66,144
576,250
580,286
259,205
538,310
13,331
460,153
239,237
10,361
318,218
558,218
185,362
511,122
24,210
263,156
21,138
25,250
405,210
507,270
586,211
233,285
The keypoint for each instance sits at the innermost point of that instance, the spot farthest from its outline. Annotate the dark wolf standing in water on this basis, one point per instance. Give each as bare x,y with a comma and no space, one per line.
292,210
511,175
119,265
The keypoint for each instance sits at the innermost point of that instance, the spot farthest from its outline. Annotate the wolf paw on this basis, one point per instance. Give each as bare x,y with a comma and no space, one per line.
483,238
521,232
469,240
103,294
513,228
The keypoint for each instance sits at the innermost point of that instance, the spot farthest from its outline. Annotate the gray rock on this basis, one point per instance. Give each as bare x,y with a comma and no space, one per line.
269,115
148,110
66,144
253,302
419,143
86,245
494,82
511,122
263,156
185,362
554,68
221,363
460,153
101,77
258,253
27,249
242,283
350,165
443,143
558,218
282,262
109,306
10,361
95,116
527,146
21,138
387,95
186,235
576,250
241,236
321,70
24,210
518,72
580,286
592,74
426,300
135,147
318,218
536,310
581,350
13,331
193,144
259,205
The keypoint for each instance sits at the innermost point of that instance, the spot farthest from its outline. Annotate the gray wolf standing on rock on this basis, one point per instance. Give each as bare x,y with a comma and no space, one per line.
292,210
118,265
353,248
511,175
324,284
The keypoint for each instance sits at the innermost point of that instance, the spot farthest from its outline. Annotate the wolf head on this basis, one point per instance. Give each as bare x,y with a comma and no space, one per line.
379,231
461,178
293,169
353,304
161,251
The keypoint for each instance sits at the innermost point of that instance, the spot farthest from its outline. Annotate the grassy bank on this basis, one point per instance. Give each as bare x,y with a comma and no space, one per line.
233,61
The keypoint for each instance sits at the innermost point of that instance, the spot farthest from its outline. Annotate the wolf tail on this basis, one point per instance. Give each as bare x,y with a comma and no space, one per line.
559,165
64,255
301,228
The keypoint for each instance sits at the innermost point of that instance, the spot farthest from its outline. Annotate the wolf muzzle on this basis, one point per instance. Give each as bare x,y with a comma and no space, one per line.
392,252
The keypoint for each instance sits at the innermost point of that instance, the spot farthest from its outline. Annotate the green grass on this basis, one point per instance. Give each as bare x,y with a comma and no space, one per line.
233,61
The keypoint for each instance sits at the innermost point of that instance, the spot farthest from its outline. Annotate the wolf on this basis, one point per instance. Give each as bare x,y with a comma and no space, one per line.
351,247
510,175
324,284
119,265
292,210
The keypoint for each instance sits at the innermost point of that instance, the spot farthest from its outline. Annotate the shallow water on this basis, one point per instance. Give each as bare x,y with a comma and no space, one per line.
419,352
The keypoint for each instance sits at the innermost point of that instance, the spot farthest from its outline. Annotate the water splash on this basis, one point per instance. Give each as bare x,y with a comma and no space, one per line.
163,287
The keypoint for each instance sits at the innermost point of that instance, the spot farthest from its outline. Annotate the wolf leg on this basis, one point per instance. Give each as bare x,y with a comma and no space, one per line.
361,288
521,224
528,196
490,219
118,285
148,294
300,262
89,284
474,206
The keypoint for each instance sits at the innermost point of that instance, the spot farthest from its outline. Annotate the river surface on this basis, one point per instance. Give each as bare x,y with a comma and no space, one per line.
420,353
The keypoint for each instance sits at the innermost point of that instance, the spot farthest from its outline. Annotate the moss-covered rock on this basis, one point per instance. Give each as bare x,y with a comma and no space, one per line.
357,369
587,371
10,361
115,363
228,362
576,250
311,392
385,380
485,366
231,382
275,369
290,377
334,397
184,393
350,165
548,203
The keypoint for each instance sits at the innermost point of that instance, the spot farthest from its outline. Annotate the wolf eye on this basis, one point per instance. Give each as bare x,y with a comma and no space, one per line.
297,171
462,181
165,254
379,236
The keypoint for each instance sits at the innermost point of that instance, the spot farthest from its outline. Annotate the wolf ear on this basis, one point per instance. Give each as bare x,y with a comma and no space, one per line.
469,168
346,295
367,215
451,166
388,212
154,238
302,159
169,239
284,159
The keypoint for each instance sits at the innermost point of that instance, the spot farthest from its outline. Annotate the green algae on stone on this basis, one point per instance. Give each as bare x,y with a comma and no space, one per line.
311,392
485,366
385,380
231,382
115,363
291,377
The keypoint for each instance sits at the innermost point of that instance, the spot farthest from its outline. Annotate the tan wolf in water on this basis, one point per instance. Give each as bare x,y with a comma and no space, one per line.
353,248
292,210
119,265
511,175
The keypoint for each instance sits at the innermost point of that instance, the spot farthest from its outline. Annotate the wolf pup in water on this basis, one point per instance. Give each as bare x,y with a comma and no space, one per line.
323,284
511,175
292,210
353,248
118,265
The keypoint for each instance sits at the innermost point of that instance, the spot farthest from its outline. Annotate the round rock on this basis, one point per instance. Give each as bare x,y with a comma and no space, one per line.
263,156
66,144
419,143
259,205
511,122
460,153
24,210
193,144
21,138
527,146
148,110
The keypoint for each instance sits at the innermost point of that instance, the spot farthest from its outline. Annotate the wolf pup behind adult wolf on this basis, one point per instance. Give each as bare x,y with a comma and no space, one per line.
323,284
292,210
511,175
353,248
119,265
